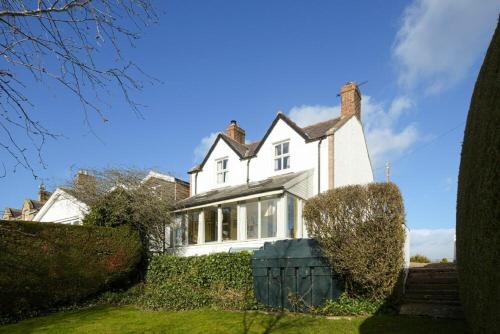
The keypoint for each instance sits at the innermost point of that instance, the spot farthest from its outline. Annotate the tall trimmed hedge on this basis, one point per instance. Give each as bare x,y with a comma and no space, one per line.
478,202
45,266
360,230
222,280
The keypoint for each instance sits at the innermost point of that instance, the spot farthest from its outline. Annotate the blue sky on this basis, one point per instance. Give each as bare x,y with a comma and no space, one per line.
246,60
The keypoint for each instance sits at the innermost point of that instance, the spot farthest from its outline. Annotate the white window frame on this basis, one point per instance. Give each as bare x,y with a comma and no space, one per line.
224,171
281,157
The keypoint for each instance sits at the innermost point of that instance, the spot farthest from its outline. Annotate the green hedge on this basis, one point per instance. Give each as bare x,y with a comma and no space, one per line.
222,280
46,266
360,230
478,203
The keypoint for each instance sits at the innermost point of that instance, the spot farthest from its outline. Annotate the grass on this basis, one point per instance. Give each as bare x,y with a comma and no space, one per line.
129,319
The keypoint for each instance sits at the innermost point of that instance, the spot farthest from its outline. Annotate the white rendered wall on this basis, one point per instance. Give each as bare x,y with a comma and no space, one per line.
207,178
303,156
65,210
352,162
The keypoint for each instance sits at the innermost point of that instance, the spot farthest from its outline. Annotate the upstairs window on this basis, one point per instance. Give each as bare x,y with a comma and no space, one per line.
282,156
221,171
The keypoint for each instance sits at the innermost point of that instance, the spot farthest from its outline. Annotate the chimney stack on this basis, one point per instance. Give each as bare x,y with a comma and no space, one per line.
43,195
84,179
350,100
235,132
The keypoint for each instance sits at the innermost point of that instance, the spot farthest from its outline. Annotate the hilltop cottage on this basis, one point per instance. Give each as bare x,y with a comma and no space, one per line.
243,194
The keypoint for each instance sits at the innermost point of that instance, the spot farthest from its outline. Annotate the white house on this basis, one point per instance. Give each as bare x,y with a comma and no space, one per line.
243,194
66,207
62,207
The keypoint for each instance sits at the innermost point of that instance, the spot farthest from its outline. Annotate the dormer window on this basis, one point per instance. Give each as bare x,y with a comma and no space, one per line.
222,170
282,156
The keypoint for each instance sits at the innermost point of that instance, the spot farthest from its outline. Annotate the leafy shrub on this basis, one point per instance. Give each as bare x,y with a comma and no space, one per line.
419,259
360,229
122,297
346,305
222,280
444,260
46,266
478,209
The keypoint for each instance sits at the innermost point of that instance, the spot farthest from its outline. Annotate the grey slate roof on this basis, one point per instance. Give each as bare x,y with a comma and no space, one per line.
319,129
272,183
15,213
34,204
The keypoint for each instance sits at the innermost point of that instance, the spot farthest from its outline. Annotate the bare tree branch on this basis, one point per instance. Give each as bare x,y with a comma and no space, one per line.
58,41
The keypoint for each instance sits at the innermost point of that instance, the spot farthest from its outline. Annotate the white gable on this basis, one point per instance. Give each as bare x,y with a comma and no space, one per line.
352,161
207,178
62,208
303,156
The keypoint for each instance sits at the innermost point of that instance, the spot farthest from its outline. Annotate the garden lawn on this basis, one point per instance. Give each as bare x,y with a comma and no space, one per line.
129,319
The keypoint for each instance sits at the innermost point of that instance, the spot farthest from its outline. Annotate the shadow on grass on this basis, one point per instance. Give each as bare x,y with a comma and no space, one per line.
411,325
253,321
93,314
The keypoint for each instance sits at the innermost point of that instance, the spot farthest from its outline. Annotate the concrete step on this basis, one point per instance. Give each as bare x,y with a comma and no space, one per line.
420,300
433,294
432,286
418,279
432,310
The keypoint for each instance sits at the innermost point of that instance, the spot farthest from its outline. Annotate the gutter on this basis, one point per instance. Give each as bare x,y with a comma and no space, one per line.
196,183
319,165
248,170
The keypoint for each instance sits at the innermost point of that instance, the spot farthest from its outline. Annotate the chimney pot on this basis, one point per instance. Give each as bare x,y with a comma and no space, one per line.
43,195
350,100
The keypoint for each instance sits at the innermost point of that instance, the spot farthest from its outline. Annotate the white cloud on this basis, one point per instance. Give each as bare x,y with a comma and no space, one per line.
385,138
307,115
439,41
433,243
204,146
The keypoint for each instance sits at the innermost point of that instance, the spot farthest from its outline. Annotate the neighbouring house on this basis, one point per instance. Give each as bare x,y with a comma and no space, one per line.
66,206
243,194
30,207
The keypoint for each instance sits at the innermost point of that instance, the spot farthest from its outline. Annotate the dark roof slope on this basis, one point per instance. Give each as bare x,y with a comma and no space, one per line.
14,212
75,194
34,204
318,130
241,149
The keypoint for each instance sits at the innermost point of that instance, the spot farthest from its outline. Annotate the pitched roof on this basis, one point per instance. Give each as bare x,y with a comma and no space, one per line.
75,194
14,213
318,130
34,204
272,183
309,133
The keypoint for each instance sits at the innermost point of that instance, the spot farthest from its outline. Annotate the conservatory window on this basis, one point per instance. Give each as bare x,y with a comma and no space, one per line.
269,218
293,217
193,218
210,223
229,222
252,216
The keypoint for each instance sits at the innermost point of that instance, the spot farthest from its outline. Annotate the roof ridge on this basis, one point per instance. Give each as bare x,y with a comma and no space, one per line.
232,141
